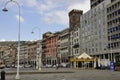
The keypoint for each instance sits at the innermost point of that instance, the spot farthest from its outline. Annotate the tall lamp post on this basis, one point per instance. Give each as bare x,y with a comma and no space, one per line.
5,10
112,60
39,53
111,47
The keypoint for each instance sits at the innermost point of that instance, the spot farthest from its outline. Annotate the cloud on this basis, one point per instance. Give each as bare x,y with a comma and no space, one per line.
2,40
57,11
46,7
21,18
48,19
53,11
28,3
31,3
85,6
56,17
1,1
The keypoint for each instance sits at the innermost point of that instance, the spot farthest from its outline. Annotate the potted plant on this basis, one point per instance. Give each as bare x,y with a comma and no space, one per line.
117,66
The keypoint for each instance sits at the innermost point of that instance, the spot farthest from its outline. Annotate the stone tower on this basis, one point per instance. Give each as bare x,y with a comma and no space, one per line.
74,18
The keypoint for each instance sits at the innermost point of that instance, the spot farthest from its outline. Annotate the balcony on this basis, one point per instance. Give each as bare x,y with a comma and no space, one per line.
76,45
43,46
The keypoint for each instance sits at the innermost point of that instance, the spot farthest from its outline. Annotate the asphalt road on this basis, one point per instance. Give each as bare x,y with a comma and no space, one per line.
75,75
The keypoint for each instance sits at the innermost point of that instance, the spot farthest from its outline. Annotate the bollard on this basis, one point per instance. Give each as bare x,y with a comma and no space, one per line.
2,75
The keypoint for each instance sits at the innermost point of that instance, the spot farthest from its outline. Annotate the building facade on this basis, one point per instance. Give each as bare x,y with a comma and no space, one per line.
113,27
51,49
94,3
8,55
74,38
23,54
44,46
64,46
32,53
94,33
74,29
39,60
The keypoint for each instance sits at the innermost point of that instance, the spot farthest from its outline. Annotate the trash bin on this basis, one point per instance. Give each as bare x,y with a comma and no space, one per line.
2,75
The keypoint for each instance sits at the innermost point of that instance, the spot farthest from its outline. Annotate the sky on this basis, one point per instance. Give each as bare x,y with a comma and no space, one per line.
39,16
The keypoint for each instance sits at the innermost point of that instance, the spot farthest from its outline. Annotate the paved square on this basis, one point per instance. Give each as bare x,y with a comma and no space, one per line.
77,75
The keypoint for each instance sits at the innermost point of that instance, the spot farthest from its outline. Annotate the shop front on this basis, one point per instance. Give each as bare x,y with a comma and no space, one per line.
83,61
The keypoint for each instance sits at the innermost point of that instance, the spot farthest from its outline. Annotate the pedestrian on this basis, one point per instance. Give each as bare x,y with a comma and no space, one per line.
57,66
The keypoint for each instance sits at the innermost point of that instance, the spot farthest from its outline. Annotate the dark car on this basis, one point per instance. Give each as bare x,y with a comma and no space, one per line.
2,66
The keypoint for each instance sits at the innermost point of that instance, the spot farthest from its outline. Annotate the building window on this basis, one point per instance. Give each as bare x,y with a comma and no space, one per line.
77,51
119,11
119,27
119,35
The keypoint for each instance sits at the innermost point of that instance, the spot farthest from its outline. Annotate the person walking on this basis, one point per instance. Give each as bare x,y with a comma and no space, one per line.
57,66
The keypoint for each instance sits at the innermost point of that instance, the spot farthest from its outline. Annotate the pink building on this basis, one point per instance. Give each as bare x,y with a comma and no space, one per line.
51,49
32,51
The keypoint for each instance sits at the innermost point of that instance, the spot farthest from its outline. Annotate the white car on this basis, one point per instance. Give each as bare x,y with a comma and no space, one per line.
48,65
28,66
63,64
20,66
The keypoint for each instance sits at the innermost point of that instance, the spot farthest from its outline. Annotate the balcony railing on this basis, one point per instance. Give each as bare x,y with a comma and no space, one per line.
76,45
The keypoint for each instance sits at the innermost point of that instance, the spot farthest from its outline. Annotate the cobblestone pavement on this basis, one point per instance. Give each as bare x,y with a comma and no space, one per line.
77,75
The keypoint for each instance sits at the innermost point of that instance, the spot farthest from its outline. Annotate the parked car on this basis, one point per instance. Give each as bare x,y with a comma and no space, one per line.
48,66
28,66
63,64
2,66
7,66
13,66
20,66
54,66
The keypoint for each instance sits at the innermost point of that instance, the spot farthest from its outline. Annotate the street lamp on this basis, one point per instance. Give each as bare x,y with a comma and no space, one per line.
111,46
39,53
5,10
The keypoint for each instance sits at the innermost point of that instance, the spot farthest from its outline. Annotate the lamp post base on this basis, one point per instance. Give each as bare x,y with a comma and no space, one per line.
17,77
39,69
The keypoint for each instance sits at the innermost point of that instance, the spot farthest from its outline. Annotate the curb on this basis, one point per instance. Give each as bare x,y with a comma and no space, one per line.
37,72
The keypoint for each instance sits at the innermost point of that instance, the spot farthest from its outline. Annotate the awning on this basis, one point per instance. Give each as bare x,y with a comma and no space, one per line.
84,56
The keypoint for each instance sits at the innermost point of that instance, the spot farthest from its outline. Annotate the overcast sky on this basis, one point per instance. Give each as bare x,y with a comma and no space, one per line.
48,15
